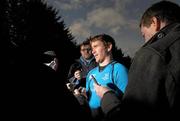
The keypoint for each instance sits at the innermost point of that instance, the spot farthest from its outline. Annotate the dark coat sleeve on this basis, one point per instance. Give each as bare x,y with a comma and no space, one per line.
110,105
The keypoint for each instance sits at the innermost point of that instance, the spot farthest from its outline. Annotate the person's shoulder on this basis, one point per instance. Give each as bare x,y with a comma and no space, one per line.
118,65
76,64
94,70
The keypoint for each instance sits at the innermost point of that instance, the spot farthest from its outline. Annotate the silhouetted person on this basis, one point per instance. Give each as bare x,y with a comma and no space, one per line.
51,60
29,89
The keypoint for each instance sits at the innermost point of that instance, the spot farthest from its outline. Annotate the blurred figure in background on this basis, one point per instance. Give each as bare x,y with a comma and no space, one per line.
79,70
30,90
51,60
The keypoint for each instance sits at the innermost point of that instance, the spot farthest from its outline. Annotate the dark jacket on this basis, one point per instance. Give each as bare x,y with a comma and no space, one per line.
34,92
82,65
153,90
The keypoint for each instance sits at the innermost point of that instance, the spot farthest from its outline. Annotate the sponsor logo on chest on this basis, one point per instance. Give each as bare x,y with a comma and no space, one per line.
105,77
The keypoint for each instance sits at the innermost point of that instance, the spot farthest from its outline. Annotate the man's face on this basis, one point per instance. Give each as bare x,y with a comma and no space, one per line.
86,51
99,51
148,32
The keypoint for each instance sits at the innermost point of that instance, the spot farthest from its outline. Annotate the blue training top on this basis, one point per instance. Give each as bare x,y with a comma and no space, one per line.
104,78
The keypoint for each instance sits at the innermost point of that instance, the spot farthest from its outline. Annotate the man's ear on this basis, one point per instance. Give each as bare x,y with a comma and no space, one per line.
109,47
156,23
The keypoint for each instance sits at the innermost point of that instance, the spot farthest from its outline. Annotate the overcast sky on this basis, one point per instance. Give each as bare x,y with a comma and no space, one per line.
118,18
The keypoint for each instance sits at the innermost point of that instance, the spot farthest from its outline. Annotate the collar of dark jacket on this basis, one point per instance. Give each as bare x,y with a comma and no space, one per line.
162,33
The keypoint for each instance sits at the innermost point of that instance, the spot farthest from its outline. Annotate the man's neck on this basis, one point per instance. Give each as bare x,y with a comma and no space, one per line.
106,61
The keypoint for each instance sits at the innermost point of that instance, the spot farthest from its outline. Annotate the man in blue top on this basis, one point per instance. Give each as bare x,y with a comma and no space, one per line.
109,73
